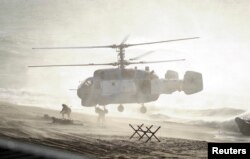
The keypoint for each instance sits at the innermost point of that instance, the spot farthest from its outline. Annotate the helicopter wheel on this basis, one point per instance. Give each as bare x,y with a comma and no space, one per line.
120,108
143,109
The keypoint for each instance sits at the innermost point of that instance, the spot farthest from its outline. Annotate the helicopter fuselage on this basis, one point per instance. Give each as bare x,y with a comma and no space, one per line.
120,86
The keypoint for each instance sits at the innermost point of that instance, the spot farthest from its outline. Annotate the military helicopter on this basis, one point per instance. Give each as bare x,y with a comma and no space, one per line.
122,85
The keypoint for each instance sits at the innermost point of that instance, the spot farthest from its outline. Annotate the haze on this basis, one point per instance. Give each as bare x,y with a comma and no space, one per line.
221,54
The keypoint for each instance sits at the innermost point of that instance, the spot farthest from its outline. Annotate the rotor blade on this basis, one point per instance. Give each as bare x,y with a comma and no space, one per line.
125,39
142,55
148,62
91,64
115,46
79,47
128,45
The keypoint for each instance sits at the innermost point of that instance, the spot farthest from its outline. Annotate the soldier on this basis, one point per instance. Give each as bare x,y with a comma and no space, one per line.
65,110
101,114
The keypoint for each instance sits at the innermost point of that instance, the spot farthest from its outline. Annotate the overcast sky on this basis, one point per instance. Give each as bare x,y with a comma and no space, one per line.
221,54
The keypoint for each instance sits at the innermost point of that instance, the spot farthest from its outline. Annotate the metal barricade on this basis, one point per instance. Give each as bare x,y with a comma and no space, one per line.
147,132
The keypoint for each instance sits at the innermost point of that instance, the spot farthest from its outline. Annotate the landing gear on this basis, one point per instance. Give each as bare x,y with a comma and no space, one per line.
120,108
143,109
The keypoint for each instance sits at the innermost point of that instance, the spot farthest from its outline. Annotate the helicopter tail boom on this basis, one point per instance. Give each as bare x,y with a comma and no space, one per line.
192,83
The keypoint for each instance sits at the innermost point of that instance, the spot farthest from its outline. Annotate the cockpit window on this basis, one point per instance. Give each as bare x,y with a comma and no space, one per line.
88,82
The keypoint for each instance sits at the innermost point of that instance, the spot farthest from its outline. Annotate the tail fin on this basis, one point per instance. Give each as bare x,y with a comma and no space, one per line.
192,82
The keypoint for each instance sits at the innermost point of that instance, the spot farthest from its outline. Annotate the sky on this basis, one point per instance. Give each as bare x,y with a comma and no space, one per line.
221,53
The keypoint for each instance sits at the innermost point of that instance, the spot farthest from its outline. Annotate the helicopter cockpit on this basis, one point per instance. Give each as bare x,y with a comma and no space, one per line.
84,90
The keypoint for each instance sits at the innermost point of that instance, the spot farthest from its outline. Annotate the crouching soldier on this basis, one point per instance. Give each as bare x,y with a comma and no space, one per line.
65,110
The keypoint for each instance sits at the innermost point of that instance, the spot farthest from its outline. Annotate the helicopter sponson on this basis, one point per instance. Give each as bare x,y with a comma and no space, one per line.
115,86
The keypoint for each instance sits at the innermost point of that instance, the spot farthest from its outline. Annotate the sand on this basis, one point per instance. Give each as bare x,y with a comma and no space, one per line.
87,137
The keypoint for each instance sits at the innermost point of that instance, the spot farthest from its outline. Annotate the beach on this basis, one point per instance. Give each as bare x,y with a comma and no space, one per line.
87,137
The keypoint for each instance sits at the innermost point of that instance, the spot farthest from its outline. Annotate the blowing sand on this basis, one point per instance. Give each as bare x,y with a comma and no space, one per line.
110,141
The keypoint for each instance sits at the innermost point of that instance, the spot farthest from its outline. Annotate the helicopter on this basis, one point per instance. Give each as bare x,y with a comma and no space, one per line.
123,85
